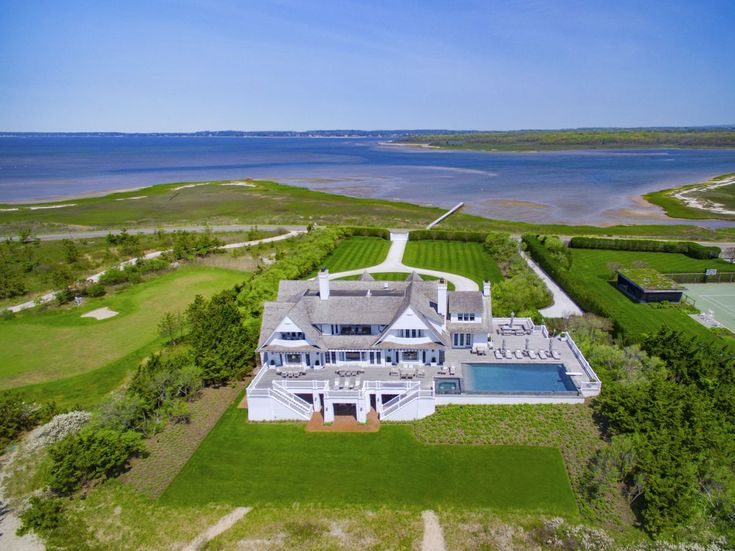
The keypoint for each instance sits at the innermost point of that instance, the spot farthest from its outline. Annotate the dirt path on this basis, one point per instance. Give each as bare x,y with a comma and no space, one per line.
222,525
433,535
9,523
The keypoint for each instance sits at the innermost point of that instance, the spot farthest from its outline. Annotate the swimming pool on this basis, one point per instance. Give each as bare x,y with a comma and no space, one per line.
516,378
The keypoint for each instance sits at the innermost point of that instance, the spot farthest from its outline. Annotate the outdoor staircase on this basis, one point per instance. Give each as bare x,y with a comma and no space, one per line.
301,407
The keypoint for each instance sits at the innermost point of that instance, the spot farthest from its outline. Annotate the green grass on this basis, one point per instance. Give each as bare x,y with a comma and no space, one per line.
676,208
243,463
271,203
58,344
560,140
357,252
591,267
463,258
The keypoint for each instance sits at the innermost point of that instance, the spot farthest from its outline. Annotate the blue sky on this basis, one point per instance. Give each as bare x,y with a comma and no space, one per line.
220,64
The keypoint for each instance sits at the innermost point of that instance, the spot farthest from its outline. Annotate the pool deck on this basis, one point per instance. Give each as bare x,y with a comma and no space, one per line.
331,377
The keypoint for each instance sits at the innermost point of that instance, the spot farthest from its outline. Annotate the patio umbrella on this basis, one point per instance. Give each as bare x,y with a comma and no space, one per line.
526,343
503,347
512,317
551,342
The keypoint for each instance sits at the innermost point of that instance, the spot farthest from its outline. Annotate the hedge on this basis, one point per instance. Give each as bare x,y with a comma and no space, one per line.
366,231
578,291
693,250
443,235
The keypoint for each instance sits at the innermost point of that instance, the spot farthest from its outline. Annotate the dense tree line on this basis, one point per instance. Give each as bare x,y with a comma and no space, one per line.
674,437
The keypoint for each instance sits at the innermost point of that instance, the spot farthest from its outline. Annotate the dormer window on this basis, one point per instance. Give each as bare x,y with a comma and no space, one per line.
465,316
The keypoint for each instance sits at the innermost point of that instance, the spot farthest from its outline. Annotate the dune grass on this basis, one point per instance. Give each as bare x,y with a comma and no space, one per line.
676,208
467,259
357,252
82,355
244,463
271,203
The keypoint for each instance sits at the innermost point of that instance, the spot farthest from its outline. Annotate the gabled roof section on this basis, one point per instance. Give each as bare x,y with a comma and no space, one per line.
414,277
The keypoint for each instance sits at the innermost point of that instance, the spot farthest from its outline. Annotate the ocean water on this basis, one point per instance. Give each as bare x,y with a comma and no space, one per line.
594,187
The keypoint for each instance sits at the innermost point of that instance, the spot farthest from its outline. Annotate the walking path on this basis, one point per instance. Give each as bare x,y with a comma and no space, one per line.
49,296
224,524
563,305
91,234
394,263
9,521
433,535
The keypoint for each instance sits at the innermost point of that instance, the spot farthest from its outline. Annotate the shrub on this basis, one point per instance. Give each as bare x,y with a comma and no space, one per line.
43,516
95,290
113,276
17,416
444,235
694,250
365,231
90,455
501,246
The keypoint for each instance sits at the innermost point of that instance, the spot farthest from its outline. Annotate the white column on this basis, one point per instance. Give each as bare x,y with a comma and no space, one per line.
328,412
315,401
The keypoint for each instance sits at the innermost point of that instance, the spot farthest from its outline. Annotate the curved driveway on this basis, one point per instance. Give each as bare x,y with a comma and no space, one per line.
394,263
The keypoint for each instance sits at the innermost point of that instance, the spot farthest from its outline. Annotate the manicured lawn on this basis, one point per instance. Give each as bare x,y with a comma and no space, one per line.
591,267
467,259
243,463
357,252
38,347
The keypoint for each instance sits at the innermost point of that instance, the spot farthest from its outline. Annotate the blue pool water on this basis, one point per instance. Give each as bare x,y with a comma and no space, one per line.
516,377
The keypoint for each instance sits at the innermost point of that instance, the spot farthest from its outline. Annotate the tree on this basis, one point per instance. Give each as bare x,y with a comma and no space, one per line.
171,326
219,340
501,246
71,251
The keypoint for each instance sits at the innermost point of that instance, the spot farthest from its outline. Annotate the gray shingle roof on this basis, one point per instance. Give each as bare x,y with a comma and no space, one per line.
363,302
465,301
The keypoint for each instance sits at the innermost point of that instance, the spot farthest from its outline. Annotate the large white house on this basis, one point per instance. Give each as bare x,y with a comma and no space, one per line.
401,348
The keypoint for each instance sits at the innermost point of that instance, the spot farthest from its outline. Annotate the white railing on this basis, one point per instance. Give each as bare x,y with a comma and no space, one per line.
403,400
343,394
261,373
290,386
392,386
594,385
296,404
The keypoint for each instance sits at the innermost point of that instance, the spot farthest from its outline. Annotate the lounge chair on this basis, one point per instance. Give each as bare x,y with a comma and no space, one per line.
452,370
499,354
532,355
508,354
357,382
519,353
556,355
543,355
336,382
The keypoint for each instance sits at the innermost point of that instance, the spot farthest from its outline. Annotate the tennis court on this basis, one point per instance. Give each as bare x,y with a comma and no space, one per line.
717,297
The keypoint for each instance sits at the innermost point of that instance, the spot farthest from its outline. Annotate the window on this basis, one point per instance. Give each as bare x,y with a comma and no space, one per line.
292,336
410,333
353,356
354,330
293,358
466,316
410,355
462,340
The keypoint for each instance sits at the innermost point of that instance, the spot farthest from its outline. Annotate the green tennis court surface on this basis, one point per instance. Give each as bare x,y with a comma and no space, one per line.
717,297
